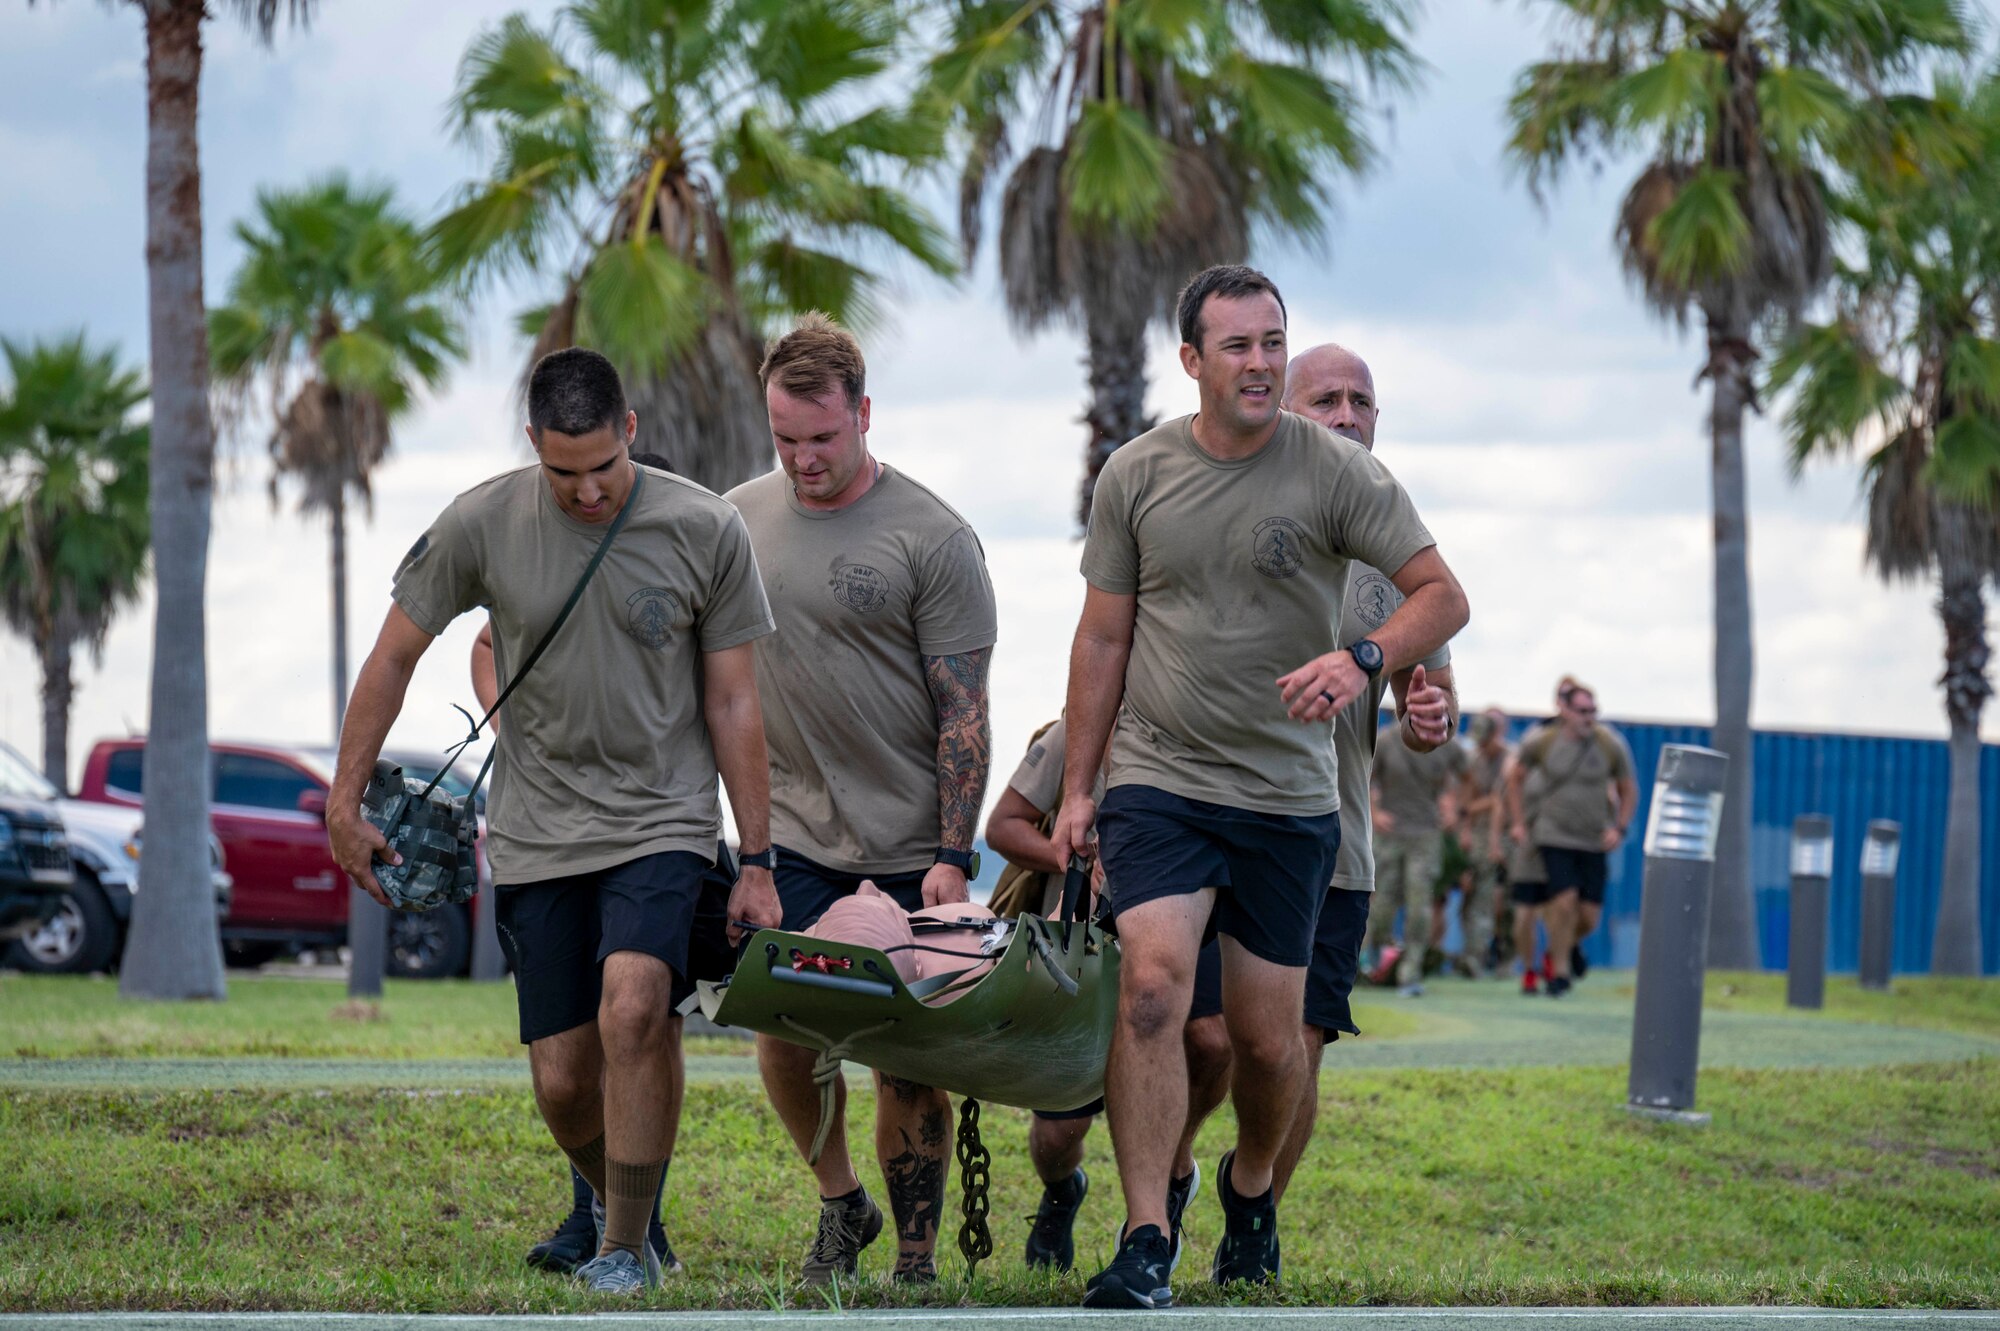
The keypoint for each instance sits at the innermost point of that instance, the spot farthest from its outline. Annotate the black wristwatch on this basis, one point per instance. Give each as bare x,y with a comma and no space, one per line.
965,861
766,859
1368,656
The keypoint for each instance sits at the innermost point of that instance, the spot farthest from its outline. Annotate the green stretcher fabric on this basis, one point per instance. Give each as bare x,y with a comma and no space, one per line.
1033,1032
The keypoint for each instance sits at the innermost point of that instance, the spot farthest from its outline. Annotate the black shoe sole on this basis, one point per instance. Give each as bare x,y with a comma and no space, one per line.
1117,1296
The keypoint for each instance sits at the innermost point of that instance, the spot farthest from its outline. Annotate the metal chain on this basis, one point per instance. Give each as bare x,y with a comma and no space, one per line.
975,1177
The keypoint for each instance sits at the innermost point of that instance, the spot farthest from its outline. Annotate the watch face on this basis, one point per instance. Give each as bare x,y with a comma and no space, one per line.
1367,655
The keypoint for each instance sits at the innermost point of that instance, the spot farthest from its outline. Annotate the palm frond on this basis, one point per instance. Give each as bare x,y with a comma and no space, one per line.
641,305
1115,171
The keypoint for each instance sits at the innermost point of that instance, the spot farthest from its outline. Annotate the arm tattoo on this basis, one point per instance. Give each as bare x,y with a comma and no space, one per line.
965,740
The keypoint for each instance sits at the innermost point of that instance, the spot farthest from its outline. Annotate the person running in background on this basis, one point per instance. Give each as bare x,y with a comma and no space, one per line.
1588,799
1413,801
1482,832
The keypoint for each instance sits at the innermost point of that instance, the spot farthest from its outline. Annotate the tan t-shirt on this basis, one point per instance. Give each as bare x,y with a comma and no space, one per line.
1524,862
1238,568
604,754
1410,782
1038,779
1484,778
1370,600
1575,807
861,595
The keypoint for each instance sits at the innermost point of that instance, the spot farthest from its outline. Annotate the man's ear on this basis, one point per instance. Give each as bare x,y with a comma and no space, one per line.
631,428
861,413
534,441
1191,360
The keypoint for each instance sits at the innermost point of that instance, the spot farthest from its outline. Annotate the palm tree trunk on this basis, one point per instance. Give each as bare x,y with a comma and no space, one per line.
367,921
58,691
1117,415
1955,948
173,950
1732,918
338,560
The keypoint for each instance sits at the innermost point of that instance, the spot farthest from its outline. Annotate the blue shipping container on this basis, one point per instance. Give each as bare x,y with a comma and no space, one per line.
1852,779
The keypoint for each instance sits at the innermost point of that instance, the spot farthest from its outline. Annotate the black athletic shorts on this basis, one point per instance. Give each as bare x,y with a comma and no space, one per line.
1528,894
1270,869
1343,920
557,933
1207,1003
806,889
1578,871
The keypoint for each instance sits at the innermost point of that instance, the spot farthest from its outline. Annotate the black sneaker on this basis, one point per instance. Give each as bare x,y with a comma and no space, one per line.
1137,1276
845,1228
1559,986
1579,965
1052,1238
573,1244
1249,1248
1180,1192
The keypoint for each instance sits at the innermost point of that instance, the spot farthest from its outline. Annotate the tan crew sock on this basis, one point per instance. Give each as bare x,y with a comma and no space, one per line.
629,1196
589,1161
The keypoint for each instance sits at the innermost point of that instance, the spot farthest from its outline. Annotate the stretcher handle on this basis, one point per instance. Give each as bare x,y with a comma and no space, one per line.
1075,908
844,983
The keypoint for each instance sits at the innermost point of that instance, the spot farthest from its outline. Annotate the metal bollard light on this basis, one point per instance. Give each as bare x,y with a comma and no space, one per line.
1812,870
1879,852
1673,931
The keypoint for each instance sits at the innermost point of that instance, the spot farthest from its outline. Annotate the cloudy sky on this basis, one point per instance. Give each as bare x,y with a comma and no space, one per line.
1549,430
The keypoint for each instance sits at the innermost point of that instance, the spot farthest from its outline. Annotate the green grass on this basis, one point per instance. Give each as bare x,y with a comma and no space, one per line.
52,1016
1843,1188
1966,1006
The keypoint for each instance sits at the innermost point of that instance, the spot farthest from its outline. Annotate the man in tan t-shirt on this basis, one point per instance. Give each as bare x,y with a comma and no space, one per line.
1588,798
1482,832
1216,559
1409,797
604,816
1333,386
875,704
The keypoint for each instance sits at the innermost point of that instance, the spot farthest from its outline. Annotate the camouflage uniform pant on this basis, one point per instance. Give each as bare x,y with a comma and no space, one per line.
1478,913
1406,870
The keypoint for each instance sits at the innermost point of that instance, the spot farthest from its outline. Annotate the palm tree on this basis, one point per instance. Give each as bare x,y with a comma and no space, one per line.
172,950
1908,370
72,511
1143,140
336,311
1739,105
683,173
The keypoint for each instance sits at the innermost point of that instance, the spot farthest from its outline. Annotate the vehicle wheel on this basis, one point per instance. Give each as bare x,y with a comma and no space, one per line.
429,945
82,938
246,954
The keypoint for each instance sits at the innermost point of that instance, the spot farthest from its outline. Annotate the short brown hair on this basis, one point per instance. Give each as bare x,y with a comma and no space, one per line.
1229,281
817,356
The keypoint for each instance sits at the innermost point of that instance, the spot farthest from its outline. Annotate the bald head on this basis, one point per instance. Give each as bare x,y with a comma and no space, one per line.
1331,385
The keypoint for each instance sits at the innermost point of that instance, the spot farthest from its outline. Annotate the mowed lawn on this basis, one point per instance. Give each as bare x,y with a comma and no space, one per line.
1850,1187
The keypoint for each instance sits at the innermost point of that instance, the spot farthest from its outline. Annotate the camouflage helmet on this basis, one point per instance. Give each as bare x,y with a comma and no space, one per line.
433,833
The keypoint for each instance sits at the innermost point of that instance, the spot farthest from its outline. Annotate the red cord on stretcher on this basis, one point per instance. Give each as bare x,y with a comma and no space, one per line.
820,962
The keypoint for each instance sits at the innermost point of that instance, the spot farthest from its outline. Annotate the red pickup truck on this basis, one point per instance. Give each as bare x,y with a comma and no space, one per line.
269,811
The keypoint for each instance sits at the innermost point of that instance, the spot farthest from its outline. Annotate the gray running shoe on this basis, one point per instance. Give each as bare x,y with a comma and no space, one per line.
656,1239
845,1228
620,1272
